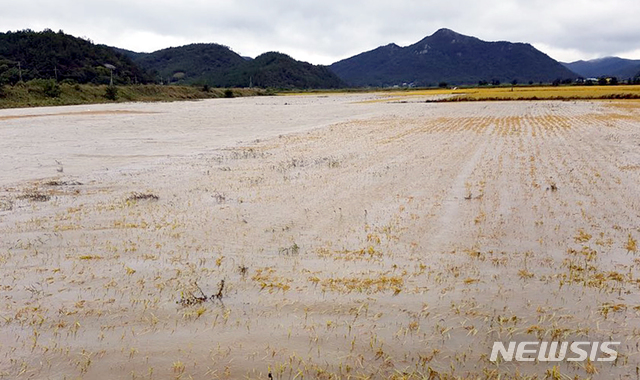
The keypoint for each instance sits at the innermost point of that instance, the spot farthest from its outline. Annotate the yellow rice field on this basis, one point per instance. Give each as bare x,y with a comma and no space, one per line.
522,93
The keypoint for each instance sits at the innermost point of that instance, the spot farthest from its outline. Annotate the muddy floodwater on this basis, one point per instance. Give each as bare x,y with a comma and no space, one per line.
331,237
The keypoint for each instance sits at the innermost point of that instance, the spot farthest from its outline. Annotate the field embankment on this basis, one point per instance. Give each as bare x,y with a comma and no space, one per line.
40,93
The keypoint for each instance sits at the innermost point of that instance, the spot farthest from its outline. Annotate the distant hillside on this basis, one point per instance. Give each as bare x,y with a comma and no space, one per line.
195,63
606,67
447,56
131,54
219,66
281,71
50,55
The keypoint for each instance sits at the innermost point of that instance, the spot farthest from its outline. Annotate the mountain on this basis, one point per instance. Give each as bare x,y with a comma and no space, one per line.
219,66
50,55
606,67
447,56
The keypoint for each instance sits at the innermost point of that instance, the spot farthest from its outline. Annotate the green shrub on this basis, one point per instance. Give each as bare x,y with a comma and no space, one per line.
111,93
51,88
228,93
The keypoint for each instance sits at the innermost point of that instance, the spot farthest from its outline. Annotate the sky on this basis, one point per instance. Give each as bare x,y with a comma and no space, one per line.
323,32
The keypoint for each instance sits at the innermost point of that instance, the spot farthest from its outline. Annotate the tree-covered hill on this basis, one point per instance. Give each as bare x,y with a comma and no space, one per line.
278,70
195,63
26,55
219,66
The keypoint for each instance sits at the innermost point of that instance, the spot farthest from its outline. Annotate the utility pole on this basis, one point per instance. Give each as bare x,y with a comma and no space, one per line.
111,68
20,71
55,70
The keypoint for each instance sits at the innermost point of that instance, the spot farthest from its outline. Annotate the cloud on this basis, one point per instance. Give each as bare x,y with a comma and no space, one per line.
329,30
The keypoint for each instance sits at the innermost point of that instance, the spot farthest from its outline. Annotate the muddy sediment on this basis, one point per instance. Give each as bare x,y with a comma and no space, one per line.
316,237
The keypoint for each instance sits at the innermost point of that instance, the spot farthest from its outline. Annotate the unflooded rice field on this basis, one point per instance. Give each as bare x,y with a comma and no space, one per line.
317,237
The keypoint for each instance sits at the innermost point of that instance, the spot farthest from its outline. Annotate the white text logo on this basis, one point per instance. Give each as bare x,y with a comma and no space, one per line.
555,351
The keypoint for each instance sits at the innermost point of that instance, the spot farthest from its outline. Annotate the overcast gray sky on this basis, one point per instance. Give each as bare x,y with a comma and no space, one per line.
323,32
